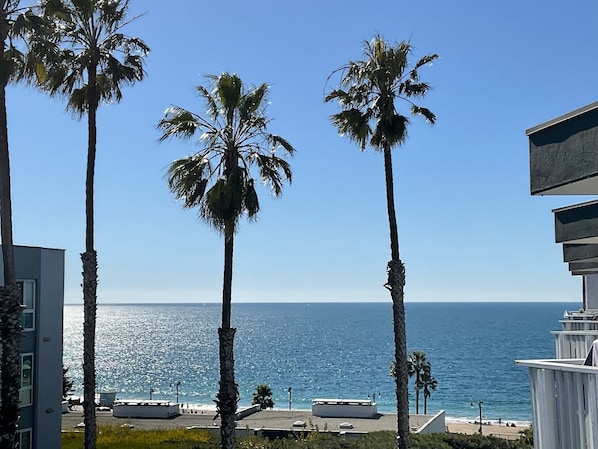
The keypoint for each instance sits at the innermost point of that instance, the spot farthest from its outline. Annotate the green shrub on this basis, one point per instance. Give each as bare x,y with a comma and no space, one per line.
126,438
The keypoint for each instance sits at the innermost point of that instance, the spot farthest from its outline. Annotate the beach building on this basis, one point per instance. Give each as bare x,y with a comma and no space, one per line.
564,390
40,275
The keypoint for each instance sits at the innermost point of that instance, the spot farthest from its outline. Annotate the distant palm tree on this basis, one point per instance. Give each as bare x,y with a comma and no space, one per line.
218,180
367,94
67,382
15,23
95,61
263,396
418,366
428,384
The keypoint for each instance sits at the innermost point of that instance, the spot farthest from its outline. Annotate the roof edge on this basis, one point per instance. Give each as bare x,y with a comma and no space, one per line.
562,118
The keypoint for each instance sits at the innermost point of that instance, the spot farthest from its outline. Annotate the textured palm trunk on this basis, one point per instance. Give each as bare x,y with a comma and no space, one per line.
89,260
396,285
10,309
417,401
10,332
90,274
227,398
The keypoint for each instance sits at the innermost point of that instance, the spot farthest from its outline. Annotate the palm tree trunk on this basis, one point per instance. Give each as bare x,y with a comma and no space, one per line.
90,265
90,274
425,404
10,310
228,396
396,284
416,401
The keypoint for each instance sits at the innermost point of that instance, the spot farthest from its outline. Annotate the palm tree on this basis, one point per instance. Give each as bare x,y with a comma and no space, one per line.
263,396
428,384
95,61
367,93
15,23
218,181
418,365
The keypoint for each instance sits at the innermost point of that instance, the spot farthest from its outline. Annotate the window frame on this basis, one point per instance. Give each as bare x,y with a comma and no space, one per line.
29,387
22,432
26,310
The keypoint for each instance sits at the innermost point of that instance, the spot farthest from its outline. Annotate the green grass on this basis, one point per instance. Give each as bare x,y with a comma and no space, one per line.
126,438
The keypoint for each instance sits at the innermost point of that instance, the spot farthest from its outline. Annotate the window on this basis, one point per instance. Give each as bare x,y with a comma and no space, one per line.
26,391
25,439
27,294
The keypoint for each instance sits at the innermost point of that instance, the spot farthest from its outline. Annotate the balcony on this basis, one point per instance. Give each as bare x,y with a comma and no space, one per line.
564,403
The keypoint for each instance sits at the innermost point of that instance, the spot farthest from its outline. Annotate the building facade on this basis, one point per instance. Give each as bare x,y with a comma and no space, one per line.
564,390
40,275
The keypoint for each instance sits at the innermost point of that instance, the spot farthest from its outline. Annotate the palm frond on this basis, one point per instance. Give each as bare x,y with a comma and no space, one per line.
270,174
77,102
426,60
188,178
280,141
228,91
411,89
177,122
252,101
425,112
354,124
252,203
209,99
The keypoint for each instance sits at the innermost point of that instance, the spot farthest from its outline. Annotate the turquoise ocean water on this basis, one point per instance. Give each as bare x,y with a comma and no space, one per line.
331,350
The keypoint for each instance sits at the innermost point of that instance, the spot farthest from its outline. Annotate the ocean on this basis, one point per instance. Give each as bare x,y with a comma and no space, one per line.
320,350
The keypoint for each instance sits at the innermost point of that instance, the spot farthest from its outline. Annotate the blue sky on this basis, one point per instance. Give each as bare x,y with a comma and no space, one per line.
468,227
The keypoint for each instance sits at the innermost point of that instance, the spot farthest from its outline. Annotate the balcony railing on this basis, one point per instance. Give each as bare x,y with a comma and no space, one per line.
573,344
564,403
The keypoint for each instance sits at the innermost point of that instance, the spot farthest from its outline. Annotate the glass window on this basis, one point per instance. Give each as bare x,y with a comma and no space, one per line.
26,391
25,439
27,295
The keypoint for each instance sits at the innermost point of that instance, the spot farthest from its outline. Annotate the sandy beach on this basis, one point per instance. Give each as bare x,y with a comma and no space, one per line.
502,431
277,419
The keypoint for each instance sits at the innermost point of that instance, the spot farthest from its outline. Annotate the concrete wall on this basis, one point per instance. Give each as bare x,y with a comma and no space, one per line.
563,154
427,424
591,293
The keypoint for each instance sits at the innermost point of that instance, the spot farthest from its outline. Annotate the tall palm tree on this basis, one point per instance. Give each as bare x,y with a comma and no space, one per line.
428,384
367,94
95,61
218,180
418,366
15,23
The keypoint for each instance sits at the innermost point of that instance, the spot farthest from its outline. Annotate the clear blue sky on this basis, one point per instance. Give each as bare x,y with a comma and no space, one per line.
468,227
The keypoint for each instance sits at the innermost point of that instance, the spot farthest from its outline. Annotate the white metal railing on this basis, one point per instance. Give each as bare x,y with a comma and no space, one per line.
579,325
564,403
573,344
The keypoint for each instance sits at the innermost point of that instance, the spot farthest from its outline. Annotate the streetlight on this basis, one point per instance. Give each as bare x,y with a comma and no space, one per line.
151,392
480,406
176,384
374,397
290,391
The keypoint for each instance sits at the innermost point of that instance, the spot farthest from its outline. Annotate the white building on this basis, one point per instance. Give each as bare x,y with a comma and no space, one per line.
564,390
